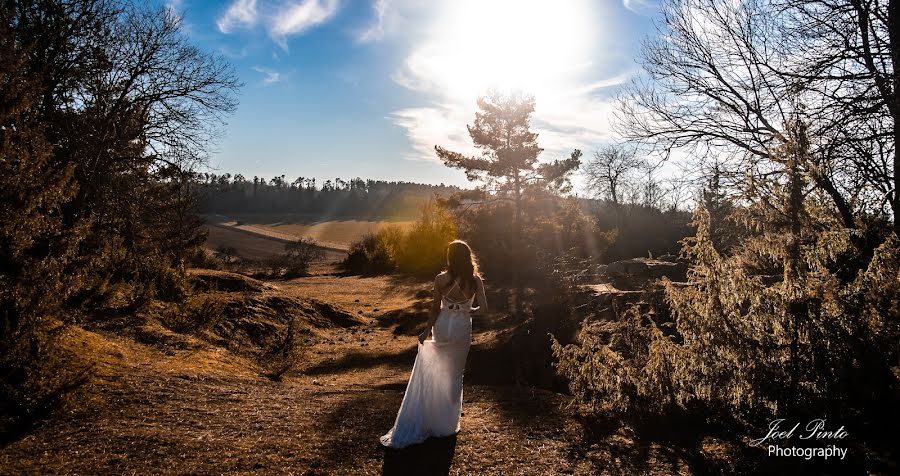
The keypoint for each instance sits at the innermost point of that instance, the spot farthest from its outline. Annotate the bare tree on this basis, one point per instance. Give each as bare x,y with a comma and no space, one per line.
611,171
845,54
651,189
723,78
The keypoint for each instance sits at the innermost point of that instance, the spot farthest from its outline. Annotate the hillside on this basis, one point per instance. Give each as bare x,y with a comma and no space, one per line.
332,234
183,396
198,401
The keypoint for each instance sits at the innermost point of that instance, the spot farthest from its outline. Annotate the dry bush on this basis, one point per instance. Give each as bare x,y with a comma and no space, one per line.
228,254
420,251
614,370
287,355
300,254
295,261
810,344
37,374
194,315
369,255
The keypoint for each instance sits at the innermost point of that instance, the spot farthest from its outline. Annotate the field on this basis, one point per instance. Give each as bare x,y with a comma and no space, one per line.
330,233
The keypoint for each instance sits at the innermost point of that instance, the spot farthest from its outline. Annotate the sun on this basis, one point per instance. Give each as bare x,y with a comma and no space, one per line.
539,47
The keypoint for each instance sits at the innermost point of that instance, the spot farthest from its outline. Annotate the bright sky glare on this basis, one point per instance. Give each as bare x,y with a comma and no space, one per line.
342,88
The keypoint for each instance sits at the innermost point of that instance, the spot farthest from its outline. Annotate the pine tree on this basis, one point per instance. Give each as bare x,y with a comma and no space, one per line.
508,166
35,246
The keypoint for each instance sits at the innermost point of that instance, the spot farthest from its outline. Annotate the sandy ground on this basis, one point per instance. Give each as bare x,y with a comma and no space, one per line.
258,244
336,234
154,408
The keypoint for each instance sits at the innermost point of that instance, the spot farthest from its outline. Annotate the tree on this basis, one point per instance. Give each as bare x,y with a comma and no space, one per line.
805,343
724,77
131,106
783,97
106,109
845,54
508,166
35,244
714,200
611,171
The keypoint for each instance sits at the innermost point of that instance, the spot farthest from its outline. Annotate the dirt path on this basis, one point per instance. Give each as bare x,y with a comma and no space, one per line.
204,410
190,421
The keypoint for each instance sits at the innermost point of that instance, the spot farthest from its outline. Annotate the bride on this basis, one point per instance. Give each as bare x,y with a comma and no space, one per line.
432,403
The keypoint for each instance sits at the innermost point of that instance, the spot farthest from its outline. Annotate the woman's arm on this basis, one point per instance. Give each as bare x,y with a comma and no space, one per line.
434,311
482,299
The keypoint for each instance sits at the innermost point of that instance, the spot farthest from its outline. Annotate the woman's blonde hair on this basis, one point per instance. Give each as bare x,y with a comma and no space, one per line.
461,264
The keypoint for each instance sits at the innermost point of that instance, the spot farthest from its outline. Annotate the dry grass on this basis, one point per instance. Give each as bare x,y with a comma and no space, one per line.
185,404
202,409
337,234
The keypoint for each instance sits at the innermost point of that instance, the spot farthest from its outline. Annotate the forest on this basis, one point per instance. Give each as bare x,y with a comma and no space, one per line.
339,198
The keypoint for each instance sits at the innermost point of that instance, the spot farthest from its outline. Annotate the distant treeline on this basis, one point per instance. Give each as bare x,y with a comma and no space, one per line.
333,198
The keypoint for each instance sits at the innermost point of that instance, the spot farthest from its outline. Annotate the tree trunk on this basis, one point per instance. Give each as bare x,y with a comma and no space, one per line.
792,259
517,248
894,99
839,201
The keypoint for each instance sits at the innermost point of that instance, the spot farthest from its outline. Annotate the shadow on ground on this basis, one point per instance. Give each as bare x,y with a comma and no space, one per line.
432,457
363,361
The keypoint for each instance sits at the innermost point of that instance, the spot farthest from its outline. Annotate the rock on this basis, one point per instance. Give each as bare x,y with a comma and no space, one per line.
636,273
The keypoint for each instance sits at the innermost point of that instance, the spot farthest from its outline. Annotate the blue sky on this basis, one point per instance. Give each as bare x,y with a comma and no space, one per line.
346,88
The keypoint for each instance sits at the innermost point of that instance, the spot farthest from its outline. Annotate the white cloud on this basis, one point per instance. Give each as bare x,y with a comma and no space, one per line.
271,76
438,124
296,18
391,17
641,7
375,31
605,83
280,19
174,6
240,14
574,96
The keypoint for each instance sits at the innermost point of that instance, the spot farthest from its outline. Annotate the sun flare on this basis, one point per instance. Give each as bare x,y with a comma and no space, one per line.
535,46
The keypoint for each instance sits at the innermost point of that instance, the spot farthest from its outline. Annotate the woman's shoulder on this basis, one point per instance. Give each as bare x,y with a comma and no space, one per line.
442,277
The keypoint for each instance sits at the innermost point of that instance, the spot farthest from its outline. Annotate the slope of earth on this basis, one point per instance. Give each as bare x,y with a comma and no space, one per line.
198,401
333,233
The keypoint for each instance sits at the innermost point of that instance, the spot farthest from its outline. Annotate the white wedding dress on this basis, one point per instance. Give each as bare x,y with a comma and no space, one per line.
432,403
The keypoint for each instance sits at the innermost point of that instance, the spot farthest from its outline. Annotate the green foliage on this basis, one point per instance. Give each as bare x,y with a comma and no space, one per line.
553,228
639,230
516,221
422,250
370,255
